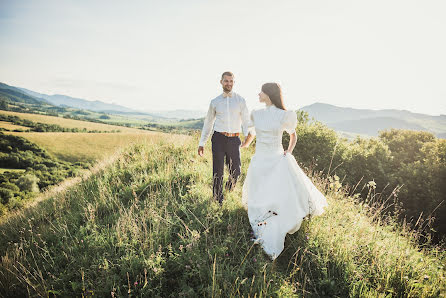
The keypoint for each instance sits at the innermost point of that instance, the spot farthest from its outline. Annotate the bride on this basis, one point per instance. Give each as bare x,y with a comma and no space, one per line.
276,192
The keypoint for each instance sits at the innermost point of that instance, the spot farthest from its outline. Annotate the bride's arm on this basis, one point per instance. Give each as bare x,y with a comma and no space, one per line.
247,141
292,144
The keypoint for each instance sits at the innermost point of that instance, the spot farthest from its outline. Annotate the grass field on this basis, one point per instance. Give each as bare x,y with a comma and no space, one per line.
69,123
2,170
90,147
145,225
10,126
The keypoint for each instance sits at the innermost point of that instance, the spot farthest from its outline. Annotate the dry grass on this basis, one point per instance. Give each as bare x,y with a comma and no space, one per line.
70,123
90,146
10,126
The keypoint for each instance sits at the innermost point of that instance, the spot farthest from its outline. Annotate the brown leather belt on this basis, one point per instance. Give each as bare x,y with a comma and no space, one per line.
228,134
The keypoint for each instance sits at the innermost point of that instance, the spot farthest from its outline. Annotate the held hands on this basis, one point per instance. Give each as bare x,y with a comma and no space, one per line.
285,152
247,141
245,144
200,150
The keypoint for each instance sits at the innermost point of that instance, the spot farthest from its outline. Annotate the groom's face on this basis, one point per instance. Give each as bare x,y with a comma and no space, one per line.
227,82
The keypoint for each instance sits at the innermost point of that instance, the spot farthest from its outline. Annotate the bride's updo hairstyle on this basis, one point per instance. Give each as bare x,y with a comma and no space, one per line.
274,92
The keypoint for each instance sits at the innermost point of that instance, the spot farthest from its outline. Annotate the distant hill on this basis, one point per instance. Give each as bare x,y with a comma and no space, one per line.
16,95
64,100
370,122
180,114
99,106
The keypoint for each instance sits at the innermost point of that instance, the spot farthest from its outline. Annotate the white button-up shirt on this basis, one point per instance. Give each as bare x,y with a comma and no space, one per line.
226,115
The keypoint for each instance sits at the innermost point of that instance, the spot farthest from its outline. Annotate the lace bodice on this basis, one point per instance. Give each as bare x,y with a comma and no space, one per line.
269,125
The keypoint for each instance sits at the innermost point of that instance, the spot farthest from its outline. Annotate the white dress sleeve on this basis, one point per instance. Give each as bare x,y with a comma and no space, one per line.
289,122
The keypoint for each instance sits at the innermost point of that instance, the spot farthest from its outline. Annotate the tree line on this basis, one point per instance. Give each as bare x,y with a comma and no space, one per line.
44,127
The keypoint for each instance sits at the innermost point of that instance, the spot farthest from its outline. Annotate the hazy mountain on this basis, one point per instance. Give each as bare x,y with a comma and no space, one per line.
180,114
370,122
16,95
99,106
371,126
79,103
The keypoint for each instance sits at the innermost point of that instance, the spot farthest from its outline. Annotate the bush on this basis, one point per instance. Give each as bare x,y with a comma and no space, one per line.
28,183
14,188
6,195
412,162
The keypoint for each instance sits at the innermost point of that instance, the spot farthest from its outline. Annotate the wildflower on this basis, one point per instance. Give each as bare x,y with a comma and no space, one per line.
227,254
181,247
254,260
187,267
82,241
136,283
426,277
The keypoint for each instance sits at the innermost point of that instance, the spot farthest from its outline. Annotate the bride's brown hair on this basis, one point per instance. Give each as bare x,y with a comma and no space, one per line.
274,92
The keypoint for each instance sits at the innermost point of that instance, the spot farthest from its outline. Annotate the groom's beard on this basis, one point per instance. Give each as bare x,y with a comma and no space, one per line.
225,89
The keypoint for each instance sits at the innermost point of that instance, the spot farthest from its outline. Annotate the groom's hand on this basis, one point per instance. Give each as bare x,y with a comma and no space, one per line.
200,150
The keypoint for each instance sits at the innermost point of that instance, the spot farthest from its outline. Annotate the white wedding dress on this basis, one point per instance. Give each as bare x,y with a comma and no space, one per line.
276,192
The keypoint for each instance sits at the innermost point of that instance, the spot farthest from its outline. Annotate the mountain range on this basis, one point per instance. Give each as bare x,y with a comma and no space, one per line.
370,122
79,103
345,120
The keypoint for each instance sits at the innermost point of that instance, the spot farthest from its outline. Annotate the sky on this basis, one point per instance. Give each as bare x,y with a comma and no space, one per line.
166,55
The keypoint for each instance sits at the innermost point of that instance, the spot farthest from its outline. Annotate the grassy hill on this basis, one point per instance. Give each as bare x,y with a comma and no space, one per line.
144,225
74,147
87,147
69,123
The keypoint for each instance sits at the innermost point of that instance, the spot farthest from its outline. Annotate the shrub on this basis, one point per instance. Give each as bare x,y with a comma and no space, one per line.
6,195
28,182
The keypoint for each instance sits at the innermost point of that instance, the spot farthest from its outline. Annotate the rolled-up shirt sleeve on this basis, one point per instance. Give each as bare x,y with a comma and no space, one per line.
208,125
252,129
247,124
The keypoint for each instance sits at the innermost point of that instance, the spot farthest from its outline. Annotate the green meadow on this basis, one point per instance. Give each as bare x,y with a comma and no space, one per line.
144,225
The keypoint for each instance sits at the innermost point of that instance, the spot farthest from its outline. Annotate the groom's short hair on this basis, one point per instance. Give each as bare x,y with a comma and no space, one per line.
227,73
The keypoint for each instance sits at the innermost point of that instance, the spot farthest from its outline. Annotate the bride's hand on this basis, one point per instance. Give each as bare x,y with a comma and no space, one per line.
285,152
244,145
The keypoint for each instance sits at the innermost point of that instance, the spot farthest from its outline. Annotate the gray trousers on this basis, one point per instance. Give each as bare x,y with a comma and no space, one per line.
229,148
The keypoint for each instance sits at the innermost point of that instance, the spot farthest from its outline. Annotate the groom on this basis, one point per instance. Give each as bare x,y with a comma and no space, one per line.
226,115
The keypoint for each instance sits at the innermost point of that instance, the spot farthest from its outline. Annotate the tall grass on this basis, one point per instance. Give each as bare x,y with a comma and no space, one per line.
146,226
